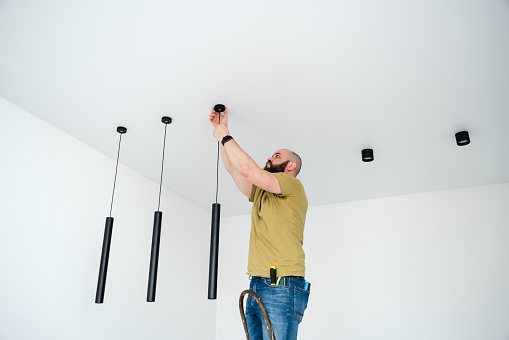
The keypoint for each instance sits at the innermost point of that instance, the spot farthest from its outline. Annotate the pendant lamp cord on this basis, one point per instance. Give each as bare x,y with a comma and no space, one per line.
116,168
217,164
162,167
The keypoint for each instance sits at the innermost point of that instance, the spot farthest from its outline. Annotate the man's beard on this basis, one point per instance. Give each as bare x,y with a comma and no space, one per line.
276,167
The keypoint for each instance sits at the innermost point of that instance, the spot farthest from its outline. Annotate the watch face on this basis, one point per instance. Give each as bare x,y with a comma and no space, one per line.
226,139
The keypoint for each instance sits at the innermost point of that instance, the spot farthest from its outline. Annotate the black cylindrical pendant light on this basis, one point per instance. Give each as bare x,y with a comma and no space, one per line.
154,256
156,234
462,138
214,233
108,230
214,250
367,155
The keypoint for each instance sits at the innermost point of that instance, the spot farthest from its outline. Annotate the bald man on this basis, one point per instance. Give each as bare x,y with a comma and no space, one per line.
277,233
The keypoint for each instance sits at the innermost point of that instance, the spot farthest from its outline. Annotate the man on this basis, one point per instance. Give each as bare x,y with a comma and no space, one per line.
277,225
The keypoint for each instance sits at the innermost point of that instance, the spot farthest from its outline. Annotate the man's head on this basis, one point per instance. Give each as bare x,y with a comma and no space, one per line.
284,161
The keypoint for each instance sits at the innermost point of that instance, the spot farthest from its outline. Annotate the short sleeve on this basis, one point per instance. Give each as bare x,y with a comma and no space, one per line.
289,185
253,192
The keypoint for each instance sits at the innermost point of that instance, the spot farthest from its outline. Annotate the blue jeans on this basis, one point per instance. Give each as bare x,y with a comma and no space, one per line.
285,305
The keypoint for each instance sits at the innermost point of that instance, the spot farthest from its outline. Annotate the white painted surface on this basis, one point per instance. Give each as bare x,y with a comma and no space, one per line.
54,198
323,78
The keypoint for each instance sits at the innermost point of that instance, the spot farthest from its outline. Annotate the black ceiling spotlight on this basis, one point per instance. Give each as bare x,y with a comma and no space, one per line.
462,138
367,155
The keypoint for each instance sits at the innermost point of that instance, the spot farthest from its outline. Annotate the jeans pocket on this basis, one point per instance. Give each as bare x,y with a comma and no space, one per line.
300,302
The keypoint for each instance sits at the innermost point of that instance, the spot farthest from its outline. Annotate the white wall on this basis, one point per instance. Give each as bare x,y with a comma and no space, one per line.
424,266
54,197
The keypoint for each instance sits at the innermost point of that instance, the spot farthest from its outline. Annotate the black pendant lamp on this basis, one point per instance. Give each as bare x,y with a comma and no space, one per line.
108,229
462,138
156,234
214,232
367,155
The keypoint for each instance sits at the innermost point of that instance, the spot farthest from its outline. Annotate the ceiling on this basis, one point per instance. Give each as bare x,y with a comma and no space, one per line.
325,79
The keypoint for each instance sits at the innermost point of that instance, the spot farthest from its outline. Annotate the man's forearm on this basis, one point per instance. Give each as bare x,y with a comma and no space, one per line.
238,160
226,160
244,185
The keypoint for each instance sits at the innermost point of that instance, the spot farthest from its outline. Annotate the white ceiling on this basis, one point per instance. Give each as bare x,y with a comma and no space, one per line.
323,78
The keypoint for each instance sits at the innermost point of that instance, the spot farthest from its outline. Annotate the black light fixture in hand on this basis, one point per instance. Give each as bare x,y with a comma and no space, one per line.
214,233
367,155
156,235
462,138
108,230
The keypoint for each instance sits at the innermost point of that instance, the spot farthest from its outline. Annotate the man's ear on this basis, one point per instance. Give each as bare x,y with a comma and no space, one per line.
291,166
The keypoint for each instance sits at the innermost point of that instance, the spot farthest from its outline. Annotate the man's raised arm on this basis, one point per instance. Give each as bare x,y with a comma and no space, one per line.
242,183
243,169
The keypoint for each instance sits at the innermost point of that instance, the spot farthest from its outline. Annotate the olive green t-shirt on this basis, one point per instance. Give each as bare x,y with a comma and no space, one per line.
277,229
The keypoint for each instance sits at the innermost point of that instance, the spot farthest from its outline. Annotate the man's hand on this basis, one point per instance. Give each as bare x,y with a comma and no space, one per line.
220,131
217,119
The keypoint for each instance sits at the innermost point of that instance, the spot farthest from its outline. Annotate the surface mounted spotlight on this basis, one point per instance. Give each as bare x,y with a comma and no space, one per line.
462,138
367,155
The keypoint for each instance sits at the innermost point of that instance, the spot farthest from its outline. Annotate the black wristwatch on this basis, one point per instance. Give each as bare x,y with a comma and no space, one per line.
226,138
